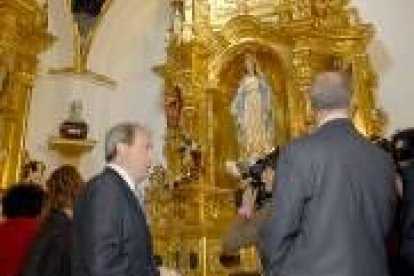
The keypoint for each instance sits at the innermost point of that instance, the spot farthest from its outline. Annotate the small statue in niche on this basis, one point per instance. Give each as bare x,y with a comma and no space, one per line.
191,161
174,103
75,126
177,25
252,112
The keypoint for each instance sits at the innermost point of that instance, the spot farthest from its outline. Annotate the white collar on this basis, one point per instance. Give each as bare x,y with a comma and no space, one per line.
334,115
124,175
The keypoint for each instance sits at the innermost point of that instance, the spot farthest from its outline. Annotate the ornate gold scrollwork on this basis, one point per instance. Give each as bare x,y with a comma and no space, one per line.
292,40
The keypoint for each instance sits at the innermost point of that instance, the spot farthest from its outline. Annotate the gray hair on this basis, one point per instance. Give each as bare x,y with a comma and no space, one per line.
331,90
123,133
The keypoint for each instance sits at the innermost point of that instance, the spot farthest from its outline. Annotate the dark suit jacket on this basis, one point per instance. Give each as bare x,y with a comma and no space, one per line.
331,208
111,236
50,253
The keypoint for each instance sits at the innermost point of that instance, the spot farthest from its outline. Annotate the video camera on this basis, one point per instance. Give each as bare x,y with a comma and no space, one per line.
403,145
255,171
253,174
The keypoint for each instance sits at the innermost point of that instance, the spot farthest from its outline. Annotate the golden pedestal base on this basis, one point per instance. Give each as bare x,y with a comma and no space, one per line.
71,147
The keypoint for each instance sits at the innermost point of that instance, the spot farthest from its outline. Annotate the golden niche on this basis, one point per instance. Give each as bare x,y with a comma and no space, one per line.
204,69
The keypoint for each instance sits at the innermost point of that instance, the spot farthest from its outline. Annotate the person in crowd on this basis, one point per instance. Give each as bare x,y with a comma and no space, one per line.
244,229
34,172
334,200
111,234
403,142
50,254
21,209
253,206
407,244
394,236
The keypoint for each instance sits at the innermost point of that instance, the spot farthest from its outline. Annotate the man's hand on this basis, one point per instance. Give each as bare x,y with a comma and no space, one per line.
268,176
248,203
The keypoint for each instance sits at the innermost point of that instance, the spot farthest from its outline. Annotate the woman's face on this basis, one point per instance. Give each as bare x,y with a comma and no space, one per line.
250,66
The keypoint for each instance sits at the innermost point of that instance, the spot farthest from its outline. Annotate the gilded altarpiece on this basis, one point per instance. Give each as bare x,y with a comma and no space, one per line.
207,45
23,35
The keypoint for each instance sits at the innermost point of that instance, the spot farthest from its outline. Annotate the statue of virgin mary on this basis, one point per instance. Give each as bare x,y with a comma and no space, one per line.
252,112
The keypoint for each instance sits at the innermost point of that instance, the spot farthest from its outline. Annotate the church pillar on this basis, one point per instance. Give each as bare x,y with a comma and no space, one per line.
23,35
16,122
299,106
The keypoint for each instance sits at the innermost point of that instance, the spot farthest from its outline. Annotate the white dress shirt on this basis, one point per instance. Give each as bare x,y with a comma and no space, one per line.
334,115
135,188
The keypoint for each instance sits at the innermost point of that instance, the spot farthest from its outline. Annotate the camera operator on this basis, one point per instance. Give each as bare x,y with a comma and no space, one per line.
404,152
393,240
253,205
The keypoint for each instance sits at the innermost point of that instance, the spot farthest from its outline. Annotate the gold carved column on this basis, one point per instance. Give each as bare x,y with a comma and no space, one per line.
299,107
23,35
15,118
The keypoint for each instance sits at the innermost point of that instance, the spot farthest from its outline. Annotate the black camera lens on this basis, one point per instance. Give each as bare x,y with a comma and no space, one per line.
403,145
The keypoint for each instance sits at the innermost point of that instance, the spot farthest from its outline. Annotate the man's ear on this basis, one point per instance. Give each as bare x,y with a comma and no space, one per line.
120,149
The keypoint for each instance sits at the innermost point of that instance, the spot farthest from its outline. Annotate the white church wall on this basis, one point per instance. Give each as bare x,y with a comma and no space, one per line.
131,40
392,57
128,43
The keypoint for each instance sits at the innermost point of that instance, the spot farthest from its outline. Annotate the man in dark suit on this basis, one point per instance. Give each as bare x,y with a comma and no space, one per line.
334,200
111,235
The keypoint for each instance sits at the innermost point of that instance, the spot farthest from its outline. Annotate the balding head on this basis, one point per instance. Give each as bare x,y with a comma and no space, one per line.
331,91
